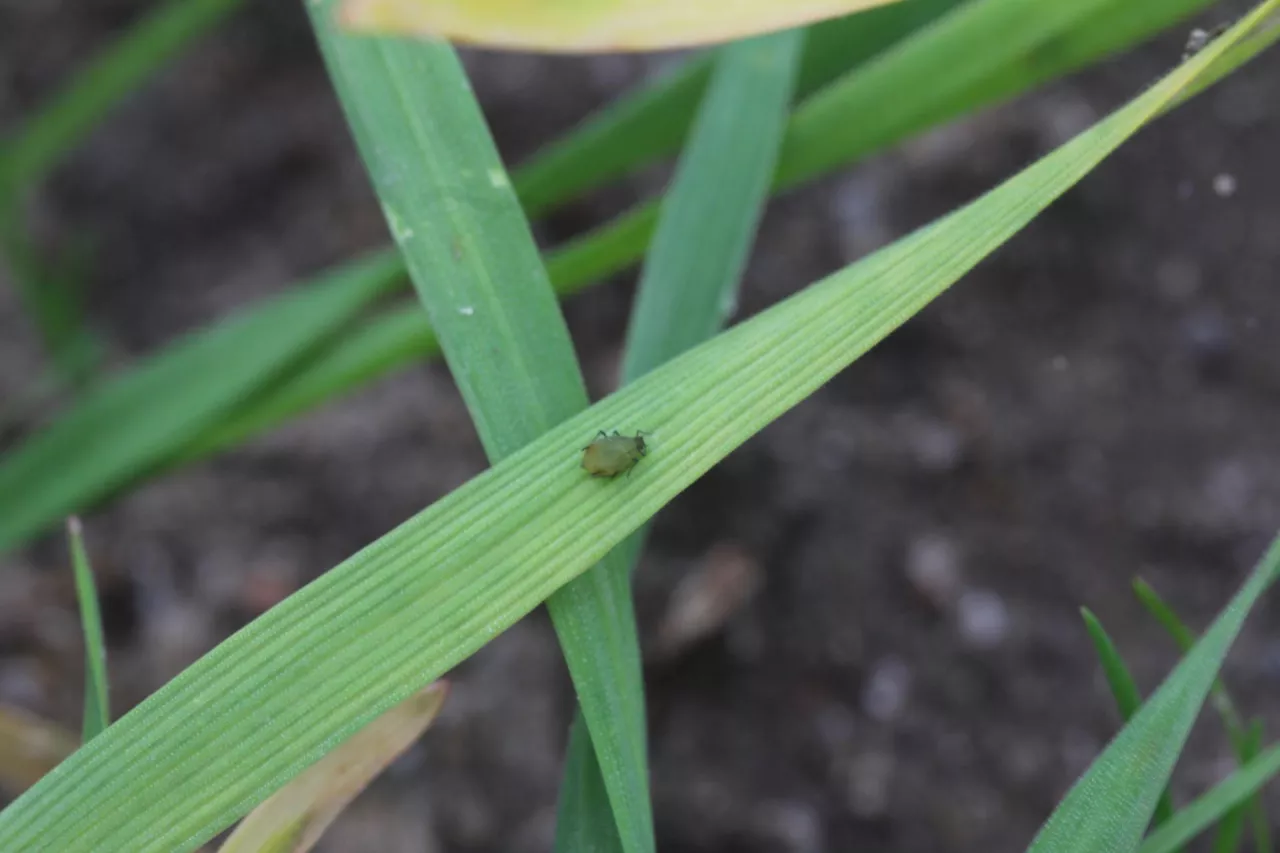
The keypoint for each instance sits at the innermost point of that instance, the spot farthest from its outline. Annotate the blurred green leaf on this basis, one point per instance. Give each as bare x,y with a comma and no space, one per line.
1230,831
1257,809
119,430
388,339
983,52
651,122
52,294
122,67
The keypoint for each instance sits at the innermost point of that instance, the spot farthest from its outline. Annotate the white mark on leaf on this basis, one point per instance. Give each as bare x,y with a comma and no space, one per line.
402,233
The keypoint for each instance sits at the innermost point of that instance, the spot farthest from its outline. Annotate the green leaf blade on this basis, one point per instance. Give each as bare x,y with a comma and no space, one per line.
584,820
97,713
708,221
1109,808
1244,743
1199,815
357,356
981,53
707,226
477,272
1124,689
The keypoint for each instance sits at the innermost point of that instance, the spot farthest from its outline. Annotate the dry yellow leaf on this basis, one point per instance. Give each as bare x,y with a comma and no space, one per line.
29,748
293,818
588,26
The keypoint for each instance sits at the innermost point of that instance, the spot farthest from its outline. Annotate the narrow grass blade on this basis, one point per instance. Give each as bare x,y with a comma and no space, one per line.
606,25
1182,635
293,818
345,361
120,430
94,90
476,269
981,53
97,709
691,276
1109,808
1199,815
1230,831
624,135
1231,827
309,673
1185,638
1232,721
1257,810
1125,691
29,748
708,221
1123,688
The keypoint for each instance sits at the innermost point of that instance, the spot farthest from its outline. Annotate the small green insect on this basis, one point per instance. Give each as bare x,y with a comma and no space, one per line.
611,455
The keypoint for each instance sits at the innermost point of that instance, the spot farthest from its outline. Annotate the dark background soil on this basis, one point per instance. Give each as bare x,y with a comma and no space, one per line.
1097,401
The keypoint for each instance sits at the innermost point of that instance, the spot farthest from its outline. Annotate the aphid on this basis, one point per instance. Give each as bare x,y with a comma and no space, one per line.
611,455
1199,39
